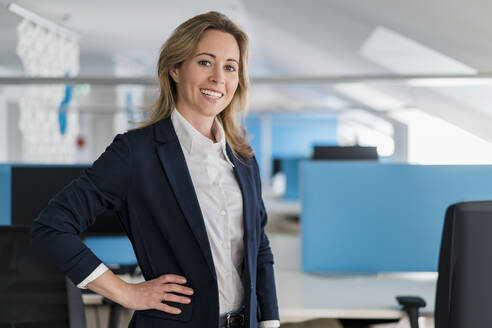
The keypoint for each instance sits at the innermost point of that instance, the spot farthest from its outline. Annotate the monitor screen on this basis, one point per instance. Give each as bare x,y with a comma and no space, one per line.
33,186
345,153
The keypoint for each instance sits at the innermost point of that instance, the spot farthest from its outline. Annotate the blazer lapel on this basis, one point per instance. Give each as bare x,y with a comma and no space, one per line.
173,161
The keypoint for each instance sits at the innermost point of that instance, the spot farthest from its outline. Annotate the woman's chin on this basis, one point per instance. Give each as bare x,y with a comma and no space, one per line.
212,110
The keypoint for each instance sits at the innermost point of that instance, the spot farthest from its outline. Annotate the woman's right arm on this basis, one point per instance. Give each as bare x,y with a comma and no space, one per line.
103,186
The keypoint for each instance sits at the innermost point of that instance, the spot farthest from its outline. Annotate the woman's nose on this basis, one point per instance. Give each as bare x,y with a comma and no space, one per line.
217,76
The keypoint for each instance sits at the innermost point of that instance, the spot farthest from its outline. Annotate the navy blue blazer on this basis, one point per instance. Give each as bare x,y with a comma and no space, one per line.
143,176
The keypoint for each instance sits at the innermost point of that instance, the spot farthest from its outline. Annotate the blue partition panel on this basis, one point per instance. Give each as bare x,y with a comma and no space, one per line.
293,135
290,167
369,217
112,250
253,126
5,194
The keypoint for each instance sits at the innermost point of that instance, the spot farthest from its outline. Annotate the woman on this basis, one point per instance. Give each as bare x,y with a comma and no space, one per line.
187,189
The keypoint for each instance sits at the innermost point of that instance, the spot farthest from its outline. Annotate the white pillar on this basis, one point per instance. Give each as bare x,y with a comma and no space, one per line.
3,128
266,149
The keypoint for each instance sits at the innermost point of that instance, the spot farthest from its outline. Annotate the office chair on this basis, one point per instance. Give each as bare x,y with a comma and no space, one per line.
464,285
33,292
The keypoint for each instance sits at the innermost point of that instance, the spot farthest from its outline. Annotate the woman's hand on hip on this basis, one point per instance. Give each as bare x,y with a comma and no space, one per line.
150,294
143,296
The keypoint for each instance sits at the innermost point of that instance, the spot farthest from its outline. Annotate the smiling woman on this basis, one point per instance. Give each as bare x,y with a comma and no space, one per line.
207,81
187,190
206,58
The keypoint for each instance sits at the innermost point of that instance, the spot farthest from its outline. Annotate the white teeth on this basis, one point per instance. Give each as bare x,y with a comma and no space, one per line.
211,93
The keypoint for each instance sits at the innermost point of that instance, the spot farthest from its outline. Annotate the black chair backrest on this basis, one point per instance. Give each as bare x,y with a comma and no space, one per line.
464,286
33,292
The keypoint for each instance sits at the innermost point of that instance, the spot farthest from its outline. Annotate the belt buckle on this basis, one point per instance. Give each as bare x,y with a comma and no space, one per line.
228,319
228,322
242,321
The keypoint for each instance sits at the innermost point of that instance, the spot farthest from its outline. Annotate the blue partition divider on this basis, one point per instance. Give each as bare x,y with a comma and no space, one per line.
290,167
369,217
5,194
112,250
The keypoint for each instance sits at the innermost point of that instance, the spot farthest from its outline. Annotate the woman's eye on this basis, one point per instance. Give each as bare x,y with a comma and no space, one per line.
230,68
204,63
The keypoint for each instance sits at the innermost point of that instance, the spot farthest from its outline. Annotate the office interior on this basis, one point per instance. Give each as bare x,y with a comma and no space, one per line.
369,120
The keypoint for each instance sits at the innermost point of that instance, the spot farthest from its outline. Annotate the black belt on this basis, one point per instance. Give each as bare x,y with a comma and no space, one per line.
232,319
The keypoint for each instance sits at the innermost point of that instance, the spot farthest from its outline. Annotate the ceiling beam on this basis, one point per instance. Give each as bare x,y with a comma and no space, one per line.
417,80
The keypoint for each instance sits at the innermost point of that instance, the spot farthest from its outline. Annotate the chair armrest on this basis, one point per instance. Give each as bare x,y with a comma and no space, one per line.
411,305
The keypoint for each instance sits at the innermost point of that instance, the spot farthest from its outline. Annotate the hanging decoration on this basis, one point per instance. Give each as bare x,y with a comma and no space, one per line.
63,110
49,130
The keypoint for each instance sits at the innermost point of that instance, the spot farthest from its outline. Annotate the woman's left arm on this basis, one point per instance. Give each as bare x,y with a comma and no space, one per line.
265,279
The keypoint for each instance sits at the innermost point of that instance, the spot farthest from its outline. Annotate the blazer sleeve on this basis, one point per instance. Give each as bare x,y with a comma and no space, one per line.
265,280
102,186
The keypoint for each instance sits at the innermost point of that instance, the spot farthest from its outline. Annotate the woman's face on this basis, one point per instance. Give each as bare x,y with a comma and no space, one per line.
207,81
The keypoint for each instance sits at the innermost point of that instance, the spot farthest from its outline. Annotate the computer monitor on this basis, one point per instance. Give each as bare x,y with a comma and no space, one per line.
277,165
33,186
345,153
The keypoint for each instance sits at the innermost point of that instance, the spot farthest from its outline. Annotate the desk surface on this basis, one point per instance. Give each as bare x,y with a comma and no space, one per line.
304,296
276,206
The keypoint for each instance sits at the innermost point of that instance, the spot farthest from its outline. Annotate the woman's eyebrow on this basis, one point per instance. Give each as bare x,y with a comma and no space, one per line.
213,56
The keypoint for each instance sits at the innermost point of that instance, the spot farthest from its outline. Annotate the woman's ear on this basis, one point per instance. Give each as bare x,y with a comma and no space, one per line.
174,72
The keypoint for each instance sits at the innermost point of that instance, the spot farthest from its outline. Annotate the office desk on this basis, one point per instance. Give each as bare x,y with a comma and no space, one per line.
303,296
280,206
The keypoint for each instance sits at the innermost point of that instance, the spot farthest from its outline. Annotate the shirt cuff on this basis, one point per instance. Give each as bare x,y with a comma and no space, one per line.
101,268
269,324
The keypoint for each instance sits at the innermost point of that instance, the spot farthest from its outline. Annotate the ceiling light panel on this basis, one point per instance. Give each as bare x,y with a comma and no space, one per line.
403,55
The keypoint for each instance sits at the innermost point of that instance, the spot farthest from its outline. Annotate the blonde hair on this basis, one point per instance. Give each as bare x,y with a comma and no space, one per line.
180,46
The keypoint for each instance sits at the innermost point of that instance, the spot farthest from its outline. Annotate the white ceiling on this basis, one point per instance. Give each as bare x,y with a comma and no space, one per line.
315,37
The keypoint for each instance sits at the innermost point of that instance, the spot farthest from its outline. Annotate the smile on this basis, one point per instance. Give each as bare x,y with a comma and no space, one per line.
212,94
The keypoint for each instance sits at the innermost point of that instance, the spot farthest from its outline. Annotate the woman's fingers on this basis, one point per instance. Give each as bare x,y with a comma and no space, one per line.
176,298
167,308
170,278
167,285
151,294
178,289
